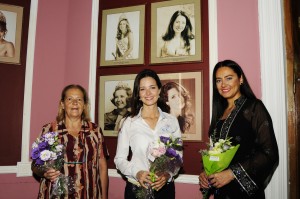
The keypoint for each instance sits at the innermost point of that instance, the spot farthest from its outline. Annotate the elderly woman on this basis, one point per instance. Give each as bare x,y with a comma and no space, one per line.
85,152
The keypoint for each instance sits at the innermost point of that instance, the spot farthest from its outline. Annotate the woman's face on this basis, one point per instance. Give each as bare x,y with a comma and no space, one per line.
120,99
179,24
73,103
149,91
175,100
123,26
228,83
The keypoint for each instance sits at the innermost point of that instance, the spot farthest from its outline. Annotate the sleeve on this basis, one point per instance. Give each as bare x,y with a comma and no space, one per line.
126,167
256,171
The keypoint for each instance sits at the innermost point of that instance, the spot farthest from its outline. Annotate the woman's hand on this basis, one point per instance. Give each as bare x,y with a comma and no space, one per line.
160,181
218,180
144,178
203,180
51,174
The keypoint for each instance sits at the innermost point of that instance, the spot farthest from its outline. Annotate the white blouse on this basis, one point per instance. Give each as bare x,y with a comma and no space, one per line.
137,134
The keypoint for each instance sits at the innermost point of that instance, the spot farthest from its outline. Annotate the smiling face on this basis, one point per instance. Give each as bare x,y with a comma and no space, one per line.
179,24
120,97
123,26
228,83
73,103
149,91
175,100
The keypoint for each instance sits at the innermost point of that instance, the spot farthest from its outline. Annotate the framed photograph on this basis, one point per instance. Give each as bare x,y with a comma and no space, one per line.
122,39
176,31
115,92
10,33
182,93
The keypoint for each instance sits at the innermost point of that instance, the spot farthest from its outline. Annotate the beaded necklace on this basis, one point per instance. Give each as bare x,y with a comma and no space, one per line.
229,120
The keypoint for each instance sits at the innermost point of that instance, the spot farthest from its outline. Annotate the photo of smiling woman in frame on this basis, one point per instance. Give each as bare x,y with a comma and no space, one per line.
182,96
122,39
175,32
114,103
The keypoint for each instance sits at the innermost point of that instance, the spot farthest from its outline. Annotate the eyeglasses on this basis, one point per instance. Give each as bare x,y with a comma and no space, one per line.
83,161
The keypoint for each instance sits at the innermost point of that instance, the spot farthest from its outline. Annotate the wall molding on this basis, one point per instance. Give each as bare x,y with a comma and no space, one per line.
273,76
22,168
93,57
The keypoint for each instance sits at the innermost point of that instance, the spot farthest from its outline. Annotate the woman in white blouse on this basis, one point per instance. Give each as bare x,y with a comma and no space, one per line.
143,125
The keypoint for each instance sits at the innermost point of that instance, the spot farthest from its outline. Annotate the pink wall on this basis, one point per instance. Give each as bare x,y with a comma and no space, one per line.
78,43
49,62
238,37
62,57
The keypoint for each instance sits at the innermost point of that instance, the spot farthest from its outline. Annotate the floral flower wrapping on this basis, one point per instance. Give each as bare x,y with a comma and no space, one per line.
217,158
48,153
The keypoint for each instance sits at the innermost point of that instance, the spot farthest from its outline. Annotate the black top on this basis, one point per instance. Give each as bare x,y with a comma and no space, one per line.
249,125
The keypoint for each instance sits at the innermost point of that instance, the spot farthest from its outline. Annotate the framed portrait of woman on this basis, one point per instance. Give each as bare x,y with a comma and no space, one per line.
122,39
182,94
114,103
10,33
176,31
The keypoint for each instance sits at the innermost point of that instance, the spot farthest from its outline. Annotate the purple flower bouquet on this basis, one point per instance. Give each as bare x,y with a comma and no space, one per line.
48,153
164,156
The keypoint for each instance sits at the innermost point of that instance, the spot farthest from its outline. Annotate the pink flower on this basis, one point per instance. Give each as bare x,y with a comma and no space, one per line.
158,151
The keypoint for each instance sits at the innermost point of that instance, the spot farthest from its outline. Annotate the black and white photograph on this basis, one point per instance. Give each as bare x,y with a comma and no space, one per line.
10,33
117,92
122,36
175,32
182,94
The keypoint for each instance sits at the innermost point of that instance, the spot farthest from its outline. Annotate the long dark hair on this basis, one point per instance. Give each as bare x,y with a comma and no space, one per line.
219,103
186,34
136,103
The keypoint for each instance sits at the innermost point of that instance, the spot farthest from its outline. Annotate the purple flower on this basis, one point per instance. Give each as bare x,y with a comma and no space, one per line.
171,152
43,146
164,139
35,153
39,161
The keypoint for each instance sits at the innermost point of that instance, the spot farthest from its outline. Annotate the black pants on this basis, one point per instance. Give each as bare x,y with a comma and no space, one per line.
166,192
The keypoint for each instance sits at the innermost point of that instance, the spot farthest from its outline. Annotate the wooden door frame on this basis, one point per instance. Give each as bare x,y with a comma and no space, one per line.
293,144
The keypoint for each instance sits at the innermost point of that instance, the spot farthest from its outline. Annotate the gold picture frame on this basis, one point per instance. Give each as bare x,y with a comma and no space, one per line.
190,82
107,85
114,51
11,16
191,88
166,47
